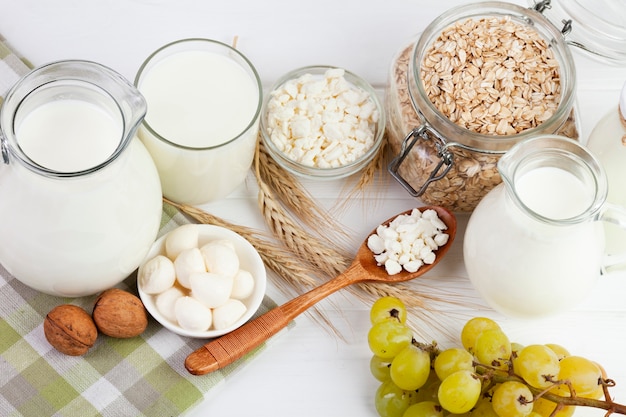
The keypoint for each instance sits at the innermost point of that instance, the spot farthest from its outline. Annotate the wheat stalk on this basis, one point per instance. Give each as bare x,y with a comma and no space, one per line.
406,294
371,173
293,196
371,170
308,248
327,259
274,256
314,251
301,259
296,276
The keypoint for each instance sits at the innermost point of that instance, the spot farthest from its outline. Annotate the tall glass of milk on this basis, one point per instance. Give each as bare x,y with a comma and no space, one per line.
204,100
81,198
534,245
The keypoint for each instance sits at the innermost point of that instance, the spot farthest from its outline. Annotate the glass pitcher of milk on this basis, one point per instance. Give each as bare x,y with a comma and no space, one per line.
81,197
534,245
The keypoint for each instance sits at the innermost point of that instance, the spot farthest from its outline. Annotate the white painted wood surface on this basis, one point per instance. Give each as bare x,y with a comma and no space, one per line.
308,371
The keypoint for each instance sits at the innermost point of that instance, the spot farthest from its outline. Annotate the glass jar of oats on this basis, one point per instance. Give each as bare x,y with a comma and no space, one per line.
480,78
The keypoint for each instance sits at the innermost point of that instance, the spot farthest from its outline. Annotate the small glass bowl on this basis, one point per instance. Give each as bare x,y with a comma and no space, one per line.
249,259
314,172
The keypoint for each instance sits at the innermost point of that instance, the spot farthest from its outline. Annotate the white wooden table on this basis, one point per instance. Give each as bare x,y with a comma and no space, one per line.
308,371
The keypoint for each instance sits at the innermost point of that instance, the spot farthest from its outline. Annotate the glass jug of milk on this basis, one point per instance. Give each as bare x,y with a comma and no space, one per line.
607,141
534,245
81,197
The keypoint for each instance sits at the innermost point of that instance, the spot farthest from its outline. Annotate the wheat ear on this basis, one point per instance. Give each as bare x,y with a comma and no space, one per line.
274,256
316,252
288,190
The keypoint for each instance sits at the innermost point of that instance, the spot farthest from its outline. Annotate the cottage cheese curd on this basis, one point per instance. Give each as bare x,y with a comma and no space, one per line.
322,121
409,241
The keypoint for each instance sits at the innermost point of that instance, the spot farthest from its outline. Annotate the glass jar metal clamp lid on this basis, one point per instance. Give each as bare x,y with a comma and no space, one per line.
597,27
449,164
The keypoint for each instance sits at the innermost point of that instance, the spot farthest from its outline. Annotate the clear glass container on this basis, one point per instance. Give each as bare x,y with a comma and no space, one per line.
201,129
313,171
82,198
608,142
534,245
442,162
597,27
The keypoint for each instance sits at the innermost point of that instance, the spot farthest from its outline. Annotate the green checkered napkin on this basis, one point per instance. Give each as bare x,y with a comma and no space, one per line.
12,67
142,376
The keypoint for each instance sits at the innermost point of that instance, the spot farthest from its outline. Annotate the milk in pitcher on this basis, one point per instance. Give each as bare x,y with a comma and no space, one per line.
69,135
526,254
77,235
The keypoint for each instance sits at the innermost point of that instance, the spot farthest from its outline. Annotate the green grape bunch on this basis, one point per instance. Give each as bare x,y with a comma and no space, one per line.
487,376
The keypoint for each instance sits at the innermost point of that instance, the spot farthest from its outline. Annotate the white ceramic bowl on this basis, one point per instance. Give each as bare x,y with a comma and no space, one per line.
249,259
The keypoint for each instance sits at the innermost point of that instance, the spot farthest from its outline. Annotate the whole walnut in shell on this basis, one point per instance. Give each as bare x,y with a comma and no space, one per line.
118,313
70,329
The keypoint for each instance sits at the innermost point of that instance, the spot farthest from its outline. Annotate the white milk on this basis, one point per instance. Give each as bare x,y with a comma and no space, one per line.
553,193
608,142
77,236
69,135
523,267
200,99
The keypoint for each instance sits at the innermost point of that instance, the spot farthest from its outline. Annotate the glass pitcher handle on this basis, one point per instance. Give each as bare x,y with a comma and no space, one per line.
5,149
441,169
615,214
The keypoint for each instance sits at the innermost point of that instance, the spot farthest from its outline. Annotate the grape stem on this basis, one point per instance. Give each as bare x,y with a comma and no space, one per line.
496,376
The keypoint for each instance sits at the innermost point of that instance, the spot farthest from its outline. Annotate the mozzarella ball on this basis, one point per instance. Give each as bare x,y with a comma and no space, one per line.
165,302
211,289
243,285
156,275
220,258
192,315
188,262
182,238
227,314
225,242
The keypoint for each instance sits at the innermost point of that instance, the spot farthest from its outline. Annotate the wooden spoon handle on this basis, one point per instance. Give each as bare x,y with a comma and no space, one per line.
228,348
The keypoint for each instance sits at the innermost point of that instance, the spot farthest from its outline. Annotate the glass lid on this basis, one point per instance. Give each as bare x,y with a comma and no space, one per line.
596,26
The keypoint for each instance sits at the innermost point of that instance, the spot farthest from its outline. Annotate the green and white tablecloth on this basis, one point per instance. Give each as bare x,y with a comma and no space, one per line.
12,67
142,376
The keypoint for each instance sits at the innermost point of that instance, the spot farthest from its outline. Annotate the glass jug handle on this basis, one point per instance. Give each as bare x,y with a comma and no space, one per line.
615,214
131,102
5,148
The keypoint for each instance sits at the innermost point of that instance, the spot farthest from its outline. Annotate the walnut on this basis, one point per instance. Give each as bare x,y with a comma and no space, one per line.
118,313
70,329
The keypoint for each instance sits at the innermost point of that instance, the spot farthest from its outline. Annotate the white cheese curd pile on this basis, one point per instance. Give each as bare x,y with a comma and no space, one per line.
324,122
197,287
409,241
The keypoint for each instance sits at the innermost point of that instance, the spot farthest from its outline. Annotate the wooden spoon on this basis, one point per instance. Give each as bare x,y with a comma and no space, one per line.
226,349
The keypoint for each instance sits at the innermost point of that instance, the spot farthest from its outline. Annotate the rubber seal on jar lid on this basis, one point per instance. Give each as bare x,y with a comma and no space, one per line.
597,27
